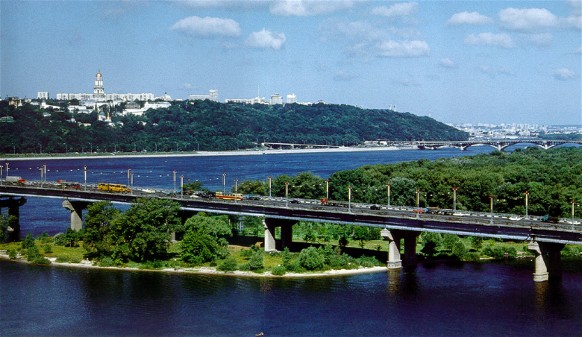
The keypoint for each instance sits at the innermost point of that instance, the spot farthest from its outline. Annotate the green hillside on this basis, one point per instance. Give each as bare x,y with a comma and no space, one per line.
209,126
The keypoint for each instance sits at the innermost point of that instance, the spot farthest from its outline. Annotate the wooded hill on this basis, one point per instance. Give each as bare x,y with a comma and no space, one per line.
209,126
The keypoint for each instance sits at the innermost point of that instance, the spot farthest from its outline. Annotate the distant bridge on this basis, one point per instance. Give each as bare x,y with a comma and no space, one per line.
499,144
546,240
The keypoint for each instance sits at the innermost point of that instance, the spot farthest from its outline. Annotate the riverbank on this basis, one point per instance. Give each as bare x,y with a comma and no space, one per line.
203,270
200,153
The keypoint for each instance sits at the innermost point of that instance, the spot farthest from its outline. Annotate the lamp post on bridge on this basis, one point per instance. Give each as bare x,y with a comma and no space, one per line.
85,176
286,194
7,168
270,185
491,208
128,177
455,188
224,183
327,189
1,167
388,191
182,187
573,203
526,204
350,198
174,173
417,203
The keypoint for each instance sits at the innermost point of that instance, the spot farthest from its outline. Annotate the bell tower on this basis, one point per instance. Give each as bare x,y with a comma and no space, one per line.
98,91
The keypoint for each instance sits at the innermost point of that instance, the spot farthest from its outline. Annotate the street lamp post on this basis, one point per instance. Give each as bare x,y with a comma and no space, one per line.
224,183
174,172
182,186
350,198
270,185
85,175
41,176
235,185
44,171
455,188
491,208
327,189
128,177
526,204
573,202
388,190
7,168
417,203
1,167
286,194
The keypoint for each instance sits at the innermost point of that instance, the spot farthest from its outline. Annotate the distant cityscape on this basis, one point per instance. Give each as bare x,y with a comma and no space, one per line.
138,103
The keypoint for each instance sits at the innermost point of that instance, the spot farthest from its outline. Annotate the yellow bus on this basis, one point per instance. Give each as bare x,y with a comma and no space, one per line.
107,187
233,196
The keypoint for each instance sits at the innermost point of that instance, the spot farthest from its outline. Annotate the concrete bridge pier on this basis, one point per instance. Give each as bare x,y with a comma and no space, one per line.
13,206
394,257
270,225
76,208
548,260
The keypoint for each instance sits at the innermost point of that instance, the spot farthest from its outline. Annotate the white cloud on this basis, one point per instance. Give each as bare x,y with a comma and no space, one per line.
207,27
396,10
490,39
469,18
527,19
390,48
563,74
541,39
307,7
266,39
447,63
574,21
491,71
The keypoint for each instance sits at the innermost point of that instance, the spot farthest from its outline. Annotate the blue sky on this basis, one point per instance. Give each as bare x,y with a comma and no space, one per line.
457,61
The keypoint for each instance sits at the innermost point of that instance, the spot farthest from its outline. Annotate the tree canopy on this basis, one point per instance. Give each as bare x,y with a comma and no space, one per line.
208,126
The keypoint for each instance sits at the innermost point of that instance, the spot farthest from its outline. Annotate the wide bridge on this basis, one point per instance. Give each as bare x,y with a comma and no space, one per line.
546,239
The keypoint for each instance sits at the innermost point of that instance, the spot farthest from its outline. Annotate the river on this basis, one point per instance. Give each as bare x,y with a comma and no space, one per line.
433,299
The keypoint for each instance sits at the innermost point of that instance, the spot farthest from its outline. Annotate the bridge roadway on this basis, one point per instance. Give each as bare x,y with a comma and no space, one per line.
396,218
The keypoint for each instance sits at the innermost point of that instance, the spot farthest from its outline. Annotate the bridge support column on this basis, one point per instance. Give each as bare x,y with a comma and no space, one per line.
269,236
13,206
548,263
76,208
394,261
409,247
270,225
394,257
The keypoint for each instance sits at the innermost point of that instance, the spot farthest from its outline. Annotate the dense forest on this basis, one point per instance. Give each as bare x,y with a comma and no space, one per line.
552,178
207,126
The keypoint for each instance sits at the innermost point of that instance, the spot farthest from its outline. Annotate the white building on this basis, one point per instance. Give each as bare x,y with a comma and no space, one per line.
291,98
42,95
212,96
276,99
256,100
99,94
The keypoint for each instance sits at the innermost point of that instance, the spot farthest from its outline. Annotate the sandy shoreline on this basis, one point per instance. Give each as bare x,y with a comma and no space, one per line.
209,153
205,270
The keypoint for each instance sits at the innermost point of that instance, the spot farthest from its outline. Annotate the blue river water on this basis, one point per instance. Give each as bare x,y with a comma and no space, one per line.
432,299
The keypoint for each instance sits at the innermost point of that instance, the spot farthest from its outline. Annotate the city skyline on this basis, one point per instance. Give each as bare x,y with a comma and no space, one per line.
459,62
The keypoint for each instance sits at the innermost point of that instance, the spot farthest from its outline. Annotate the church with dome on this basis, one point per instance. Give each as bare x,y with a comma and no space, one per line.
99,94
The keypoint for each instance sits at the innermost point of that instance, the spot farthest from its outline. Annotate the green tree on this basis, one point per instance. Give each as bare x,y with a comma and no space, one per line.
142,233
205,239
98,239
311,258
